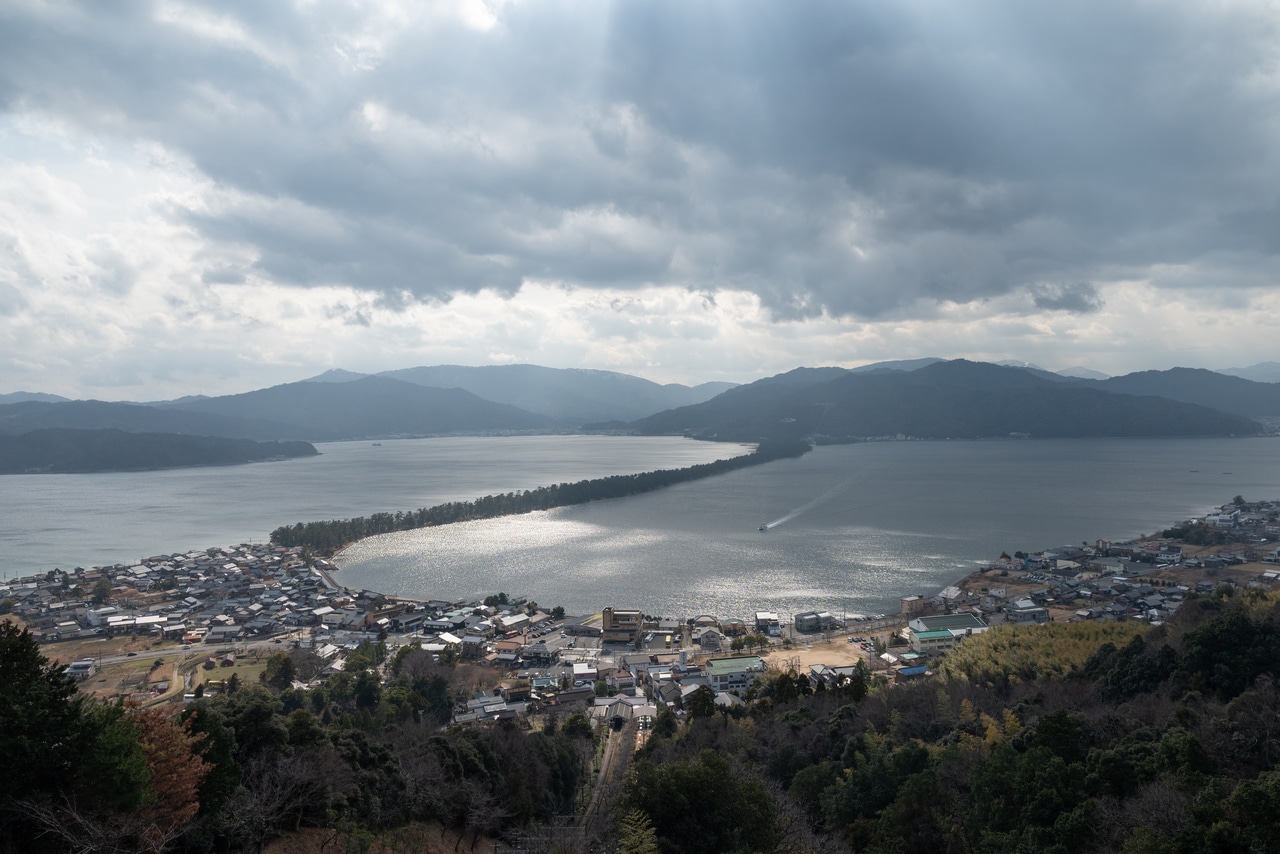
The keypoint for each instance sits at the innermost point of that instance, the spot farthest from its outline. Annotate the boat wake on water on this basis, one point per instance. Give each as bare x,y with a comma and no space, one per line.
824,497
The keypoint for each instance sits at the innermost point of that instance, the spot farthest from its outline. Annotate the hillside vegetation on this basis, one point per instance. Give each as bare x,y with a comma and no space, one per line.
1013,653
1166,742
231,772
60,450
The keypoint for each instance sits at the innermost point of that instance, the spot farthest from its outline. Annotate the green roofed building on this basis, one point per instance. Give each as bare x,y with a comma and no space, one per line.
937,634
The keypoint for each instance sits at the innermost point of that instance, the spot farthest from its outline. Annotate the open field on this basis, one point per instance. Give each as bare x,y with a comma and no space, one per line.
248,667
833,653
65,652
135,676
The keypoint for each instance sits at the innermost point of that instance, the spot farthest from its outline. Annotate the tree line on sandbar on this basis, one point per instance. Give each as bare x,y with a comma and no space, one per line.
331,536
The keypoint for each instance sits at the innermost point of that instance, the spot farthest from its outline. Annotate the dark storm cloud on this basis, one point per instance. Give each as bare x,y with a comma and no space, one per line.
1077,297
849,157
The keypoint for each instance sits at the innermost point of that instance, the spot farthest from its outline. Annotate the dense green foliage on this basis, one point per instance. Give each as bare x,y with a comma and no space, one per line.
65,760
1163,742
59,450
1197,535
1022,653
328,537
263,760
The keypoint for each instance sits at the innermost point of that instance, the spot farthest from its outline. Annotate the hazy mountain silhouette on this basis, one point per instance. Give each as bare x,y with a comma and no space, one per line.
371,407
957,399
29,396
1263,372
571,396
1207,388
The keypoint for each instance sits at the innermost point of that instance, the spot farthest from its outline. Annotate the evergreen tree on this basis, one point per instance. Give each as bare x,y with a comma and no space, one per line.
636,834
40,718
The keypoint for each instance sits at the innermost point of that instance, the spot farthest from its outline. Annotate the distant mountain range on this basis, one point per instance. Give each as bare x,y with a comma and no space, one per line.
568,396
922,398
1207,388
957,399
371,407
27,396
1083,373
1263,372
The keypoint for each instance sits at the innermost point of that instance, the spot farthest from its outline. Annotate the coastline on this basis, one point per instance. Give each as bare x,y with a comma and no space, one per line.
1144,580
331,537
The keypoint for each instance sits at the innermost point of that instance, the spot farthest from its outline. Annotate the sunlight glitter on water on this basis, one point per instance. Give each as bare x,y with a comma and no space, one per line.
916,517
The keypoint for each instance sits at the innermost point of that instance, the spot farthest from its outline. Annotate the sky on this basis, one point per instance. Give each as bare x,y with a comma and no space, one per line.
211,197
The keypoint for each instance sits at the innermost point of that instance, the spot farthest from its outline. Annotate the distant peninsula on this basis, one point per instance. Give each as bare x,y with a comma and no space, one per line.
329,537
70,451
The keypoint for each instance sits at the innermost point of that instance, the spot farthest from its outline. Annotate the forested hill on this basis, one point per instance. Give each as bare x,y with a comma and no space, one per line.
367,408
62,451
1207,388
374,407
958,400
328,537
1150,741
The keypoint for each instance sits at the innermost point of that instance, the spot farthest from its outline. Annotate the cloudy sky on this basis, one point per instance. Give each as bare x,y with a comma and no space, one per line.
213,197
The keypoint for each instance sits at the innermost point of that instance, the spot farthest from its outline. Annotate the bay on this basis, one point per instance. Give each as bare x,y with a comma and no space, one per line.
49,521
851,528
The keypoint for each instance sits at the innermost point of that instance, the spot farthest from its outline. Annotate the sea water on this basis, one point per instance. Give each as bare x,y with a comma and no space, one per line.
849,529
68,520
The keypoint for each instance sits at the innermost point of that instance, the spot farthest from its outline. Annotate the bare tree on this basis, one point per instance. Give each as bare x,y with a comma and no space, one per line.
84,831
277,793
485,814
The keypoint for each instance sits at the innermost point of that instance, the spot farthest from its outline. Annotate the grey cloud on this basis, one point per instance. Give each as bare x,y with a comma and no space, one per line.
858,158
1077,297
222,276
114,273
15,273
11,300
349,315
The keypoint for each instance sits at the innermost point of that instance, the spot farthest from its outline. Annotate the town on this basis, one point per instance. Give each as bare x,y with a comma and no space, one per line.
172,628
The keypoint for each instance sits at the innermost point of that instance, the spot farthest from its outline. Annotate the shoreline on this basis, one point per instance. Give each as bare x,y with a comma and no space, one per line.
1144,580
334,536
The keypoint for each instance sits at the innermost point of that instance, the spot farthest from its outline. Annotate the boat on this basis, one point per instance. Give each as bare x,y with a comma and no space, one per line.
764,527
377,444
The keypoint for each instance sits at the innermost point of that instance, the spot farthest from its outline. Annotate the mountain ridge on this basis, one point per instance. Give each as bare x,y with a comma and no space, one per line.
906,397
956,399
570,396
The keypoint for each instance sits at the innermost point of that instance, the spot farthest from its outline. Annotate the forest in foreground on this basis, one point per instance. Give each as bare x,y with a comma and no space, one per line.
1108,738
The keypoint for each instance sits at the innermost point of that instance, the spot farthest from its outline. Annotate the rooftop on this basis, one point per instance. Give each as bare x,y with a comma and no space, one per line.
951,622
739,664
